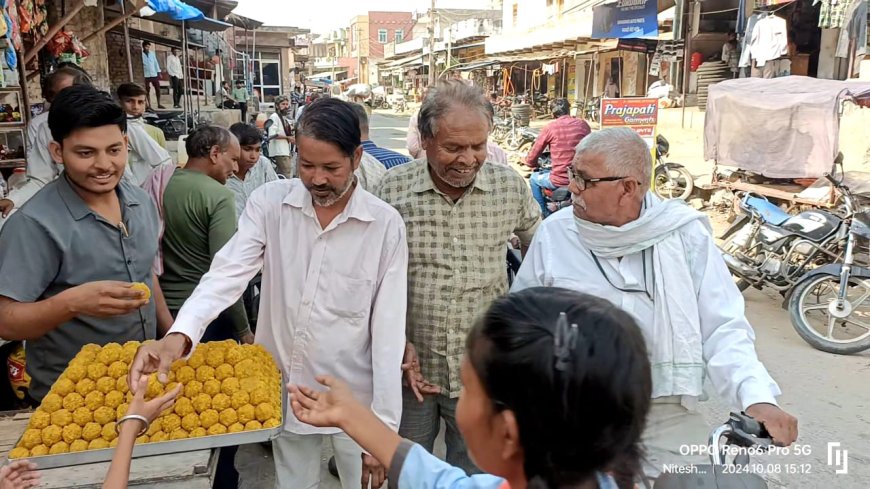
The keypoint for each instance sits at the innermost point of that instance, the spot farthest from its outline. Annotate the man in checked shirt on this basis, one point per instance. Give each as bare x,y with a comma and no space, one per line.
459,211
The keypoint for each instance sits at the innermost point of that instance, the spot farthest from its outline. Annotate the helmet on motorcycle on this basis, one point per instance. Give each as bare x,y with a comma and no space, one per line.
560,107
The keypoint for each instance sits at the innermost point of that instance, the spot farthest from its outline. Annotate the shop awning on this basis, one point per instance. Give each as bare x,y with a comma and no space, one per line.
325,74
203,24
243,22
477,65
470,45
218,9
174,12
156,39
414,60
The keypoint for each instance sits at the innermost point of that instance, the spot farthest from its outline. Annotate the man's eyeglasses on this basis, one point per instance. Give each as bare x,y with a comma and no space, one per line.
583,183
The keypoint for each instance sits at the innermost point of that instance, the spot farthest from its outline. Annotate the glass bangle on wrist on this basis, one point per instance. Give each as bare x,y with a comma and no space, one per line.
128,417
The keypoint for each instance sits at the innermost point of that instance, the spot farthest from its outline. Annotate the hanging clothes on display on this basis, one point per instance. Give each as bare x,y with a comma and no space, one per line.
854,28
767,44
745,59
832,14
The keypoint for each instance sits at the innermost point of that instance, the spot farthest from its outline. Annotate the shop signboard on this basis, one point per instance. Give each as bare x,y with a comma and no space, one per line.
640,114
626,19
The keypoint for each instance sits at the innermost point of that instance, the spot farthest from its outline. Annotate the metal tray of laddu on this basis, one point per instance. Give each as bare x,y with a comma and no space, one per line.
163,447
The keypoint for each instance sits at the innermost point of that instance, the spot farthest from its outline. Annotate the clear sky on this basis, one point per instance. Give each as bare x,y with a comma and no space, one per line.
321,16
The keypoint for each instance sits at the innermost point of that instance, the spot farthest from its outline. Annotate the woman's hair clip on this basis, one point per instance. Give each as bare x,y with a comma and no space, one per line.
564,341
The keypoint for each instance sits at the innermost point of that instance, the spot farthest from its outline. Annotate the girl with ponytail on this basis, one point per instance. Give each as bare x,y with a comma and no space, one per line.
556,388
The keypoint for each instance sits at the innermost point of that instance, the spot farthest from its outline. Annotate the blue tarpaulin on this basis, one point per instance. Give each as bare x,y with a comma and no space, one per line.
176,9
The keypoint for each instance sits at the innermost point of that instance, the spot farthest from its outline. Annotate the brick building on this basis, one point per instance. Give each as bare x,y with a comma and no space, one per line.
369,33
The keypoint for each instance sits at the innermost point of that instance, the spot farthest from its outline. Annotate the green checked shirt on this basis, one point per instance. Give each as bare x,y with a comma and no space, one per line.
457,250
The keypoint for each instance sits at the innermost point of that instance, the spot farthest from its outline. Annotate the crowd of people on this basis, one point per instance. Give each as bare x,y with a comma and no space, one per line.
382,289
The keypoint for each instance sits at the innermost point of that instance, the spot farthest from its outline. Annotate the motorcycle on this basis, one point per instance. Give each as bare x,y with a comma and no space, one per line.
592,109
401,105
557,198
171,123
670,180
809,258
541,107
829,305
521,139
501,127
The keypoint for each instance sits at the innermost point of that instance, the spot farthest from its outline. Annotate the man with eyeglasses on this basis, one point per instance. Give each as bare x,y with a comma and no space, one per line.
658,261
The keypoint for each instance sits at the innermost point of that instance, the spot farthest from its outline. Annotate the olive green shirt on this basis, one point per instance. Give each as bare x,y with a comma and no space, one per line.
200,217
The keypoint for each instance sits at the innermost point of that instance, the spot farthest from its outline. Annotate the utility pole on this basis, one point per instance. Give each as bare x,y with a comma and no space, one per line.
334,57
359,74
432,44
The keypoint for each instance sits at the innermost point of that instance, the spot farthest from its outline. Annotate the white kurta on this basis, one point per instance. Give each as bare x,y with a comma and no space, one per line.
558,259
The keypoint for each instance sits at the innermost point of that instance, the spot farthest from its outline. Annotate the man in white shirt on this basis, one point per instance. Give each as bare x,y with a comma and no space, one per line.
176,77
611,89
658,261
145,154
334,260
41,168
279,133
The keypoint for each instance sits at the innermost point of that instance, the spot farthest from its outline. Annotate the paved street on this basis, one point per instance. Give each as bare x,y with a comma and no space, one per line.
829,394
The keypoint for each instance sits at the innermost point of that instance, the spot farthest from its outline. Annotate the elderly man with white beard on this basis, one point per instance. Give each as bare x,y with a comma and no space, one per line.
658,261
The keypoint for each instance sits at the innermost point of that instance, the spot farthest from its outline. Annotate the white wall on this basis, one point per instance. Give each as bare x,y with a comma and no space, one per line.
531,13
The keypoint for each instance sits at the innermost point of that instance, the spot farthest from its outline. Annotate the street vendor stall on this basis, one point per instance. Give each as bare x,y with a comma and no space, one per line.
231,395
784,132
190,470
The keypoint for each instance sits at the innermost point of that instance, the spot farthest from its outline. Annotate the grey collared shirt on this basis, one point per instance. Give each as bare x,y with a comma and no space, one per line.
259,174
56,242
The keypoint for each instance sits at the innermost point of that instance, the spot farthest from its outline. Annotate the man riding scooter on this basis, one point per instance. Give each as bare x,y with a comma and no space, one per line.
562,136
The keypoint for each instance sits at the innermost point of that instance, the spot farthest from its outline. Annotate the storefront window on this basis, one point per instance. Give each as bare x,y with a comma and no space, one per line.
267,75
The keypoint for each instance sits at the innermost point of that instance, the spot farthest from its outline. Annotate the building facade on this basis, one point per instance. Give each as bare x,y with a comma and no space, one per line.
330,57
370,33
274,57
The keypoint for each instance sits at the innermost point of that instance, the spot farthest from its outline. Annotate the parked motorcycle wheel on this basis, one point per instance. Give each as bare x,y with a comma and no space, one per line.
592,115
499,134
672,181
843,336
524,149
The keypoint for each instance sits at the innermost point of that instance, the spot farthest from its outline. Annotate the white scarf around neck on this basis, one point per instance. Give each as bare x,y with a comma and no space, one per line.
674,339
